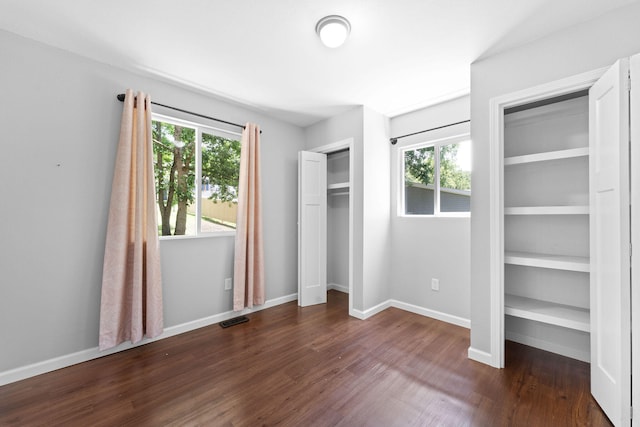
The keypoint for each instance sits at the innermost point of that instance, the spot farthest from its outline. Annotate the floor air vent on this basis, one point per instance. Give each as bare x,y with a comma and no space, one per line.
234,321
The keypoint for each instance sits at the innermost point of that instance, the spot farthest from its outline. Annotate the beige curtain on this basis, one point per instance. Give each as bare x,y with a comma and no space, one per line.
248,272
131,304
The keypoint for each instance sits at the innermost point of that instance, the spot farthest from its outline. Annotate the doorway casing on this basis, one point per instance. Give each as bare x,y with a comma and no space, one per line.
496,198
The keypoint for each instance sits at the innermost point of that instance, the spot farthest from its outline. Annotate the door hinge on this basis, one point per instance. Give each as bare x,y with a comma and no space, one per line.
631,412
628,82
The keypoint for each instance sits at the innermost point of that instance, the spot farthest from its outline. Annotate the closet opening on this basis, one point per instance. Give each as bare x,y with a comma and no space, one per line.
325,222
546,224
338,195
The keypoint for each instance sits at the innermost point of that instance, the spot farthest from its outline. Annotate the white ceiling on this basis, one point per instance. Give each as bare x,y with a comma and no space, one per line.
401,55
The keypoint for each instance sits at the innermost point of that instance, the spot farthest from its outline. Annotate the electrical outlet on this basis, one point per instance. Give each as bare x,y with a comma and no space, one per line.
227,284
435,284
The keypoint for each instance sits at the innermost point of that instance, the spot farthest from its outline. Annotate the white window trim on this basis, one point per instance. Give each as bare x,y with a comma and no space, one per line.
436,143
199,131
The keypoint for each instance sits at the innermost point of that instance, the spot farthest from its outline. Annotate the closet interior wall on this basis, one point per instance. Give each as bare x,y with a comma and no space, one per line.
338,221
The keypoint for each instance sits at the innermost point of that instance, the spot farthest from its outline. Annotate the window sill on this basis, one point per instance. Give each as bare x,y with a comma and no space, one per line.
201,236
440,215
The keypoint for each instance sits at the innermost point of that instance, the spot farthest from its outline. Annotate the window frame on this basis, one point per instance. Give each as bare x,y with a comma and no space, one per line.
199,130
437,143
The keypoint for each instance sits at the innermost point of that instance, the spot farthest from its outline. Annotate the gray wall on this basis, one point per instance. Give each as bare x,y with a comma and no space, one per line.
584,47
60,125
423,248
377,210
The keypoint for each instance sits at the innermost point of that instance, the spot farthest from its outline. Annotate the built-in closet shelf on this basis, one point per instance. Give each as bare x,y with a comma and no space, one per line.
338,186
547,312
557,262
547,210
342,186
549,155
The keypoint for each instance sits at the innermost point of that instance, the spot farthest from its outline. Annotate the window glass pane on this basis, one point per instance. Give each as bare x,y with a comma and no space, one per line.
455,177
220,172
174,167
419,168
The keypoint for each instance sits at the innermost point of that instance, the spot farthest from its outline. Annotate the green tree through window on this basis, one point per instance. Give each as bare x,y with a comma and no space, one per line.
221,166
420,167
175,160
452,175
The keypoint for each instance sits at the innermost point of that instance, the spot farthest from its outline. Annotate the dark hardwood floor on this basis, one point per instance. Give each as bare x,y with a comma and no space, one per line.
314,366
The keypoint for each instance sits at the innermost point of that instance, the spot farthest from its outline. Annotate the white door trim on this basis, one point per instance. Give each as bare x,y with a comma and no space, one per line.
497,106
634,155
331,148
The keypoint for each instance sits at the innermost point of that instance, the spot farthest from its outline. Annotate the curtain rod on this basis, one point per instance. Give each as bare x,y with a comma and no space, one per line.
394,141
120,97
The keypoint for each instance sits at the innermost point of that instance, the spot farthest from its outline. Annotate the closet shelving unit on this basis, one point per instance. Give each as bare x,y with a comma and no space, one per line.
338,173
338,188
546,226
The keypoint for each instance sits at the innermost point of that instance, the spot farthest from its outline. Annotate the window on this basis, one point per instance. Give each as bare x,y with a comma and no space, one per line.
196,170
437,177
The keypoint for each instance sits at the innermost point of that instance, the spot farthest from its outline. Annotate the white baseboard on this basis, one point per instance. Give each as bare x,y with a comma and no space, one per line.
45,366
438,315
549,346
376,309
363,315
357,314
480,356
339,288
433,314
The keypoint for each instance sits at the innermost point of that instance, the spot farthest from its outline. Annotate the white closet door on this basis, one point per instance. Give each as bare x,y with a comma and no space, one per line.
312,228
609,243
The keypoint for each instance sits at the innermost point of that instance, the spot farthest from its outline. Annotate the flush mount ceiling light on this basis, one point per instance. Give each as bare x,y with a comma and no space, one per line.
333,30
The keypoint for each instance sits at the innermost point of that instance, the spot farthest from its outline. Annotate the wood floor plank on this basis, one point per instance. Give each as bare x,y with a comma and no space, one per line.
312,366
